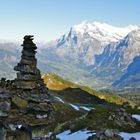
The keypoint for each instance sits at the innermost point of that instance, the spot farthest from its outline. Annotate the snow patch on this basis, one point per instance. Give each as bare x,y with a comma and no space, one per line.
81,107
74,106
79,135
136,116
127,136
86,108
59,99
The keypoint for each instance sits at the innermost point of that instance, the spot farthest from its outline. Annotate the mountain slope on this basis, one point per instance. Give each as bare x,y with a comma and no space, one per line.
131,79
56,83
116,58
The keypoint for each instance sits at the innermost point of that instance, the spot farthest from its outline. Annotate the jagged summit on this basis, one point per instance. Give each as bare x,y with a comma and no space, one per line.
86,40
103,32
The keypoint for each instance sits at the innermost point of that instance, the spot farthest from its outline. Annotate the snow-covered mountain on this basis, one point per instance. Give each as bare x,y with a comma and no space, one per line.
103,32
86,40
106,51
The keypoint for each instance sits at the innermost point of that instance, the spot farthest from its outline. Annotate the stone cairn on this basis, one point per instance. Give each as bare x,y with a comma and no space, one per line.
28,76
25,103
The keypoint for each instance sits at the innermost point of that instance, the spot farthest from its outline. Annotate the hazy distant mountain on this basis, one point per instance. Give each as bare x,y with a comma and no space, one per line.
9,55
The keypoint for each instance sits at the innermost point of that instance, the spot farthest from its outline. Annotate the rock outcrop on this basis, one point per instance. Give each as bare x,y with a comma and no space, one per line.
25,103
108,134
121,118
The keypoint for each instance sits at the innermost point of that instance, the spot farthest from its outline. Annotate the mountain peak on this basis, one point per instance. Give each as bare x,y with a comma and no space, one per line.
102,31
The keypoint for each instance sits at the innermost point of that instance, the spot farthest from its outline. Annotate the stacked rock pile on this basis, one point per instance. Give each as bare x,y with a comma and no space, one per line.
25,103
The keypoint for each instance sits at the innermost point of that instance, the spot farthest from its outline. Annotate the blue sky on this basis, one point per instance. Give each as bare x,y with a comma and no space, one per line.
49,19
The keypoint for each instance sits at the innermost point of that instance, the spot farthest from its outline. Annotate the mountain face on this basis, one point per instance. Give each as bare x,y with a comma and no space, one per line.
131,78
93,54
116,58
121,53
86,40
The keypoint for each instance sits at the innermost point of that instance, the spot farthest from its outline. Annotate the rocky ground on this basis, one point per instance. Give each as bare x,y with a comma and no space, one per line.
103,117
25,115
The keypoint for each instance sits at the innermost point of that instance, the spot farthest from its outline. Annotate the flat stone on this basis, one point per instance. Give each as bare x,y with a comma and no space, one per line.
20,84
19,102
41,107
28,37
26,68
5,106
28,61
24,76
28,58
41,116
29,54
122,109
35,96
109,133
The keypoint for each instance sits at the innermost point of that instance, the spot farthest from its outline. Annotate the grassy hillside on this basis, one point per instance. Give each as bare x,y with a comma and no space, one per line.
54,82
